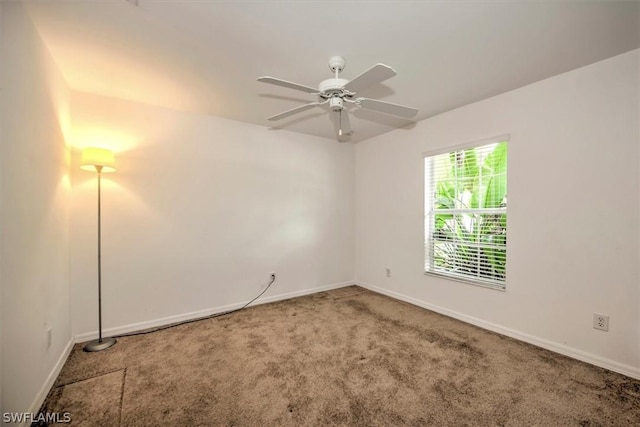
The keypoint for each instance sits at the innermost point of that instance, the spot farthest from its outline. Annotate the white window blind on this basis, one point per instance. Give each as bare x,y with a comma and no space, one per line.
466,213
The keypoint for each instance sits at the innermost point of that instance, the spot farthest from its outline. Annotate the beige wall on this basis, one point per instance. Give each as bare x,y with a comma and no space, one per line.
573,212
201,211
34,248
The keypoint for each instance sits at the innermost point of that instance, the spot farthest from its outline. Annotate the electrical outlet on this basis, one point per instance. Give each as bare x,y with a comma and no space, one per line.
601,322
387,272
272,279
49,336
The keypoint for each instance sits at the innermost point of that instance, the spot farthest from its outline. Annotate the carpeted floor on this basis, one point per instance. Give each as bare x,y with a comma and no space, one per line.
346,357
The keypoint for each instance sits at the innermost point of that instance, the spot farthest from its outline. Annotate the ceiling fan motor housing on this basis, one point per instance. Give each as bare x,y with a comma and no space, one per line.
330,86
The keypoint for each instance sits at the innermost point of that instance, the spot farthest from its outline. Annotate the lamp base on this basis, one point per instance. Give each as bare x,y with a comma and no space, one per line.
98,345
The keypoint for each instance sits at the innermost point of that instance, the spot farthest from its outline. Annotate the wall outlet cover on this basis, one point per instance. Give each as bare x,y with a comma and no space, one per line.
601,322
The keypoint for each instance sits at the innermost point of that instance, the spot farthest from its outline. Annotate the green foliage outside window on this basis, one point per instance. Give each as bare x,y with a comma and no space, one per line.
468,213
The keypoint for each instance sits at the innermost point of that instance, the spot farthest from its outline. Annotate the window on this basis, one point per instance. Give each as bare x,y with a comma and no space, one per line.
466,213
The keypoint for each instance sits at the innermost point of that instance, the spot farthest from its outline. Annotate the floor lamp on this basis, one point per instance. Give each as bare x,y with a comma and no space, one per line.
98,160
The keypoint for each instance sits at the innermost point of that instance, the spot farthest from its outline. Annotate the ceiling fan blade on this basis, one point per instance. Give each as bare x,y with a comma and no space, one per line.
373,75
290,85
387,107
293,111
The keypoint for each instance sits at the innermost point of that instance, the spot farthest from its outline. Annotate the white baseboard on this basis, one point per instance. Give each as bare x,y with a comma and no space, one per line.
46,387
565,350
140,326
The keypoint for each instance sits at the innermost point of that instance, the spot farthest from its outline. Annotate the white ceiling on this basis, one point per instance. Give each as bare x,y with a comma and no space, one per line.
205,56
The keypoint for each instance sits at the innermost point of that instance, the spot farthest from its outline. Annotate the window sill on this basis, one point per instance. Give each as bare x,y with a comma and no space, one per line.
501,288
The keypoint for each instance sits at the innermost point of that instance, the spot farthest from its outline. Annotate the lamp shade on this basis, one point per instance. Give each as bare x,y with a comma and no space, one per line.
93,158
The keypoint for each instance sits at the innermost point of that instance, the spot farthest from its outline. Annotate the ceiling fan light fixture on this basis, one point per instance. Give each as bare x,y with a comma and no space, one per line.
336,103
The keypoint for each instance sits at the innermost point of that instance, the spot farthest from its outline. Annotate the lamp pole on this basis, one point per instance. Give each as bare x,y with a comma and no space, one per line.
100,343
99,170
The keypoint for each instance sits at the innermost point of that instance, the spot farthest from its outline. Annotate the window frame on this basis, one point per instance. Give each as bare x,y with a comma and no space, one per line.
428,228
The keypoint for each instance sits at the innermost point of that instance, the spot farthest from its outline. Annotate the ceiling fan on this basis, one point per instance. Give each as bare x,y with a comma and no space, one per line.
337,93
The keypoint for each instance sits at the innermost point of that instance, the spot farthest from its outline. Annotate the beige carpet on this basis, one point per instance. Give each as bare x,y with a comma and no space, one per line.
345,357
